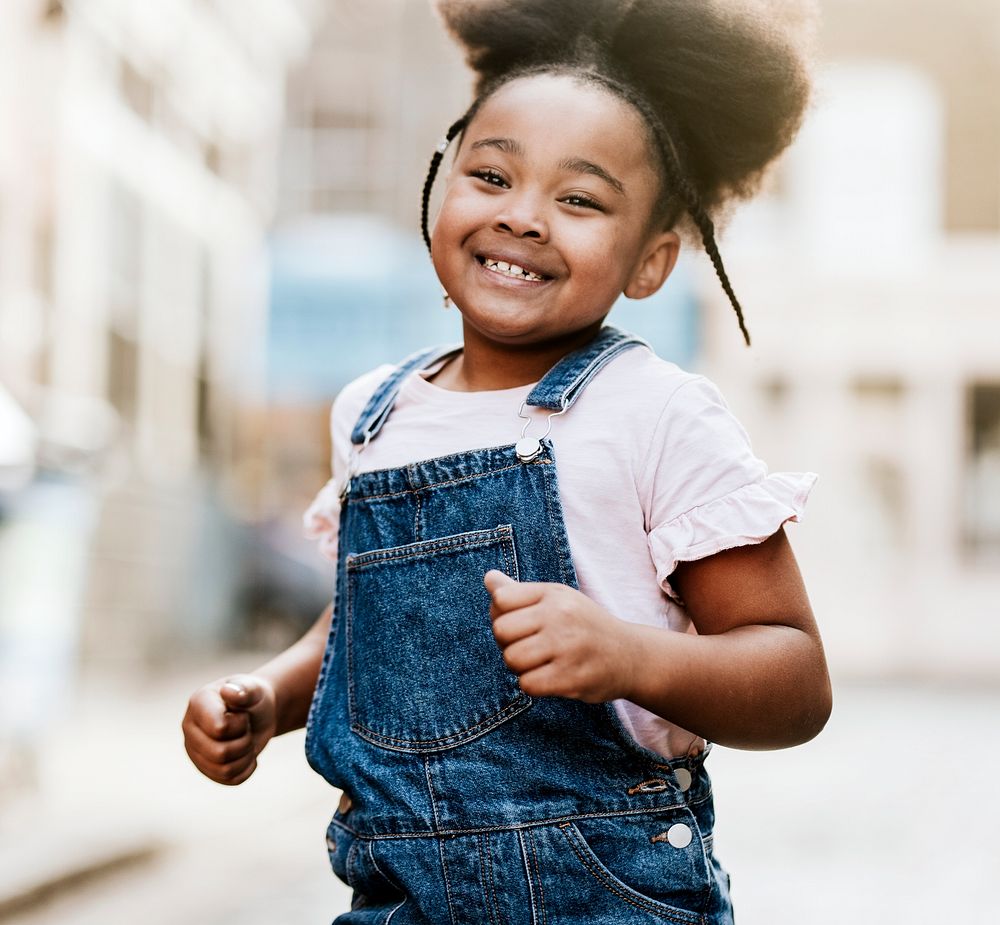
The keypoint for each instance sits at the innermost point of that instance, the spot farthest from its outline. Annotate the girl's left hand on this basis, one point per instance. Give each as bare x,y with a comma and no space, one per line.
558,641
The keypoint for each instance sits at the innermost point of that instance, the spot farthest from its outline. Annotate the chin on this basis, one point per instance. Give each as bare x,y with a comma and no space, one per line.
509,327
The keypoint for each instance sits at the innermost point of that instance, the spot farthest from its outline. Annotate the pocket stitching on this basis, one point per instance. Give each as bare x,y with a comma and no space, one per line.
522,702
502,537
459,542
617,887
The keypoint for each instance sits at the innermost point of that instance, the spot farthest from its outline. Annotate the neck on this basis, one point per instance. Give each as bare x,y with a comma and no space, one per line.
486,365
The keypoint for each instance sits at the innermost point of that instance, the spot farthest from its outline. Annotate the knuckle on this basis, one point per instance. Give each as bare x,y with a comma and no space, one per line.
230,772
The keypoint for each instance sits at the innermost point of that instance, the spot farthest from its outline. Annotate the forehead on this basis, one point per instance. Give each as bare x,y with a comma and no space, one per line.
554,116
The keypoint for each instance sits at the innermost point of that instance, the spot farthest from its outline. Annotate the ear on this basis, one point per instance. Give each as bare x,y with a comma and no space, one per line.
659,260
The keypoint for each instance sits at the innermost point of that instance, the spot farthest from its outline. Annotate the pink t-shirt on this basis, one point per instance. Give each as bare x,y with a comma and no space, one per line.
653,470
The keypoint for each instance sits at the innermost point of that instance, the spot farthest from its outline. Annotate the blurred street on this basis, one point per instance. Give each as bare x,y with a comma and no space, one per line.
210,224
872,820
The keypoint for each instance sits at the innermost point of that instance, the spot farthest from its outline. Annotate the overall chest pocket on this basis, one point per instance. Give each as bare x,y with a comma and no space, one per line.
424,670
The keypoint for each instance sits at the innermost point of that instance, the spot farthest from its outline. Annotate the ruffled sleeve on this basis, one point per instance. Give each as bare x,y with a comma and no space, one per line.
321,520
705,489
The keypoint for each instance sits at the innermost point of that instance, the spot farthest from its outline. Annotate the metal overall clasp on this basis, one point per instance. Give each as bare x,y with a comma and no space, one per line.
529,448
353,465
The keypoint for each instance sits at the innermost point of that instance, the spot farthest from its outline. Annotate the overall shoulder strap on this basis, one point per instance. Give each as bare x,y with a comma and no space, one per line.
562,385
380,405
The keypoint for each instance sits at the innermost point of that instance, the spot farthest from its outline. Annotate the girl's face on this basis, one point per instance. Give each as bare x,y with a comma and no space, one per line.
546,214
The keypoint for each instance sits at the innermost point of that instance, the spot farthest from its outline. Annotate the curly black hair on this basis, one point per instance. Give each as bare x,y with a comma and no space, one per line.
722,85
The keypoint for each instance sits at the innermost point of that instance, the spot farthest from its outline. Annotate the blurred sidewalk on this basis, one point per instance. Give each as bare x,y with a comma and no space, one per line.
128,830
891,813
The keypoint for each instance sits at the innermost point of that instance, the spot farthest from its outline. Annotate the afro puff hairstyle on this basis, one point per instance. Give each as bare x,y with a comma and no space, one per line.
722,84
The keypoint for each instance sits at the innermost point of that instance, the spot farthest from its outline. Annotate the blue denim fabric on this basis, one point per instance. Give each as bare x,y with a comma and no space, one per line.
471,801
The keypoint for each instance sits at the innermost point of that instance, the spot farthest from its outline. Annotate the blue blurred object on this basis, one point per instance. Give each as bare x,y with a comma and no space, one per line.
349,292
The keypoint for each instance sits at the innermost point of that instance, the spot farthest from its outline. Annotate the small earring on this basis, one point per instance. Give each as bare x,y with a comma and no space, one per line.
445,301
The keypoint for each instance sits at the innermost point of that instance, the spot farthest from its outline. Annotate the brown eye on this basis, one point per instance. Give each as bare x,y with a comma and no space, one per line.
583,202
493,177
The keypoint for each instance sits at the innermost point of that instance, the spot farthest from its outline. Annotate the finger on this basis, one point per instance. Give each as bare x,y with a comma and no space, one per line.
230,774
527,654
206,710
239,778
241,692
516,594
516,624
215,751
542,681
495,579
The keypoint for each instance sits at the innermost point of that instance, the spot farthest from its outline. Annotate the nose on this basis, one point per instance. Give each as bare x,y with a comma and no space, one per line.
523,217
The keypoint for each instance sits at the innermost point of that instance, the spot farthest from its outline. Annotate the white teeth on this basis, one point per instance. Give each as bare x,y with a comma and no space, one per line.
509,269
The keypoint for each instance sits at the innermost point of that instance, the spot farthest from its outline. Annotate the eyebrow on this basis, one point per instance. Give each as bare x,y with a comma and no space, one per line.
507,145
580,165
574,164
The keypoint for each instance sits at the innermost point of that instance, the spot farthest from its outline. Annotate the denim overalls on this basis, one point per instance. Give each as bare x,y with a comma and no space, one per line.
467,802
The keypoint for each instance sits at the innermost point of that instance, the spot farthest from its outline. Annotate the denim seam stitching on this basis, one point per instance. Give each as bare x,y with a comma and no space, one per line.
493,884
591,370
430,793
447,881
473,539
618,341
560,525
530,824
483,877
381,873
527,875
521,702
348,644
538,875
454,481
349,863
614,889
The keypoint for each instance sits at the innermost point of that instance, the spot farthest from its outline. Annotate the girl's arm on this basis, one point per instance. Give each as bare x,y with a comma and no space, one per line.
755,676
230,720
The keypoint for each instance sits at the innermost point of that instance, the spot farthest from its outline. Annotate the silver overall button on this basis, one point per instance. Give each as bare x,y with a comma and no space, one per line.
679,835
527,448
683,776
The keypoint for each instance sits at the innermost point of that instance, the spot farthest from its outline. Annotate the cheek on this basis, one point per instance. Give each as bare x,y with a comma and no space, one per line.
599,251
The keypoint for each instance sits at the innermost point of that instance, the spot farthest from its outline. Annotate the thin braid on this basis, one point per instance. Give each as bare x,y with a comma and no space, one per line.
432,174
707,229
706,226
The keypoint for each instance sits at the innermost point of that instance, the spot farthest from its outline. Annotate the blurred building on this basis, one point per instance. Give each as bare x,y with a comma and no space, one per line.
870,272
138,158
871,278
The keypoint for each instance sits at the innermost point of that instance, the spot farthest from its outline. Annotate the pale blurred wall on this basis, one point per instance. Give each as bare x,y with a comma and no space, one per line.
871,277
870,273
138,166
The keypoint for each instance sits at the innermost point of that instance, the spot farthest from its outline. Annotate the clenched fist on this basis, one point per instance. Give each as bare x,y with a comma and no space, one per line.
559,642
226,726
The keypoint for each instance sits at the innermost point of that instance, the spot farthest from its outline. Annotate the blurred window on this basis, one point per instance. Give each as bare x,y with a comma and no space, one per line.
982,469
776,392
137,91
124,256
877,431
865,179
123,361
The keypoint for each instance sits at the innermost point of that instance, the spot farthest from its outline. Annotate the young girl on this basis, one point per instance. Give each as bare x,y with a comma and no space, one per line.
561,571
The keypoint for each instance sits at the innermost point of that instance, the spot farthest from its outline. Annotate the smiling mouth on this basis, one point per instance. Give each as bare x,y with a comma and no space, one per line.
510,270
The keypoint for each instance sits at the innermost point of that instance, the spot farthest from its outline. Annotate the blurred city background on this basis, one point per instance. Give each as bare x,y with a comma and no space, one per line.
209,222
